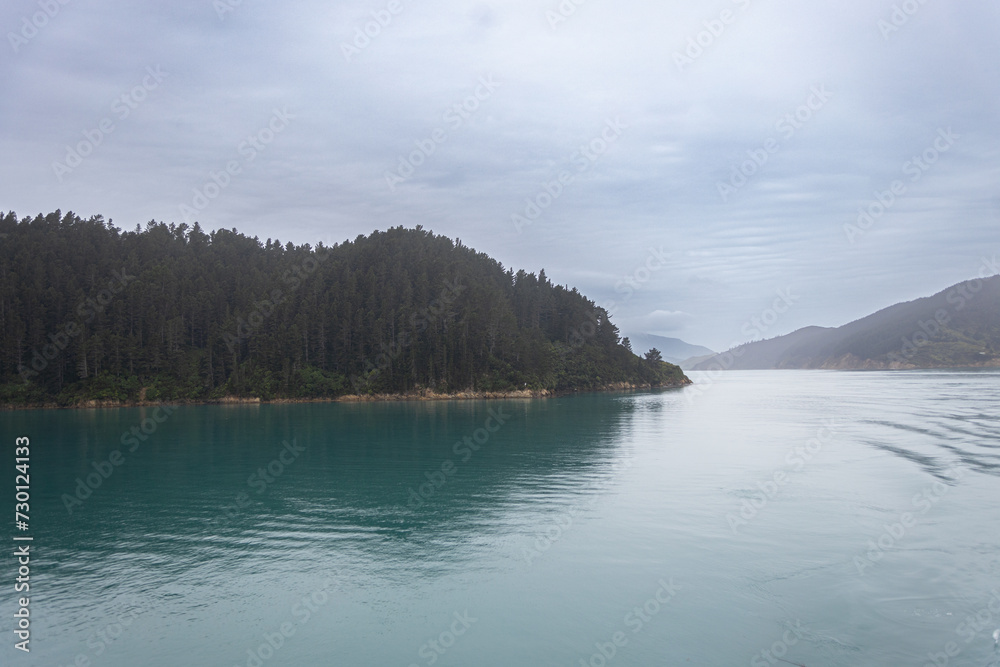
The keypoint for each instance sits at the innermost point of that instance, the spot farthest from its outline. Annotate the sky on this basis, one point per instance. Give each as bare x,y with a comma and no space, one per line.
691,166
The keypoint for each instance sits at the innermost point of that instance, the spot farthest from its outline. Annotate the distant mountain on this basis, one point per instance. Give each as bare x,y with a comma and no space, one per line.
691,362
673,350
958,327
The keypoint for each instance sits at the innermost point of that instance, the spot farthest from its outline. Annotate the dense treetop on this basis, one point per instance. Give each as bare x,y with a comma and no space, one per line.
88,311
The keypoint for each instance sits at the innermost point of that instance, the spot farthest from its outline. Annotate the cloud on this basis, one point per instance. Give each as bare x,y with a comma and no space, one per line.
687,131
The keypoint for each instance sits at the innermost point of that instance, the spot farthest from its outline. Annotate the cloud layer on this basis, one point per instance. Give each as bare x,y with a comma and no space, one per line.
743,138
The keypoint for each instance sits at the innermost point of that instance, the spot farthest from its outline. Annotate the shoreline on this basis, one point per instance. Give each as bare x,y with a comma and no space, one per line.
420,395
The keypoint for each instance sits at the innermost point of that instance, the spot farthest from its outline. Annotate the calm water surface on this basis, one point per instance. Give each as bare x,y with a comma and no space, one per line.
827,518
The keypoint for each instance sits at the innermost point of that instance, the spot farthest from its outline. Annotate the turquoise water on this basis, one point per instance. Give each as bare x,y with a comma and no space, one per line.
824,518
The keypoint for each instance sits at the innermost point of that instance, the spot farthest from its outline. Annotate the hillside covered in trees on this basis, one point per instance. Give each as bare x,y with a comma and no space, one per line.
958,327
91,312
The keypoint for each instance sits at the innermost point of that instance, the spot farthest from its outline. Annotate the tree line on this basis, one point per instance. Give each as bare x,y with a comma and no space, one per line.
170,312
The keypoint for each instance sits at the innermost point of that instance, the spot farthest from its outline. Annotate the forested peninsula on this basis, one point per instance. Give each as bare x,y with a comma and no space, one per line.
94,315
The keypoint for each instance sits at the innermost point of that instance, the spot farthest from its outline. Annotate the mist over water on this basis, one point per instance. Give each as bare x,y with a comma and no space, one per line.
824,518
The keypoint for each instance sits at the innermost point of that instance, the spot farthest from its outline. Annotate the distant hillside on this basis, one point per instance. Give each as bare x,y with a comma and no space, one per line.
673,350
691,362
957,327
91,312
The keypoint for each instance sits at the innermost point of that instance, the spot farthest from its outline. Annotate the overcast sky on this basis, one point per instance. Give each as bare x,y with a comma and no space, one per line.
127,110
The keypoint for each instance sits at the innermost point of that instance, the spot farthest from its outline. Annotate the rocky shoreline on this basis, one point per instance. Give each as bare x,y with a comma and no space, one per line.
420,395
